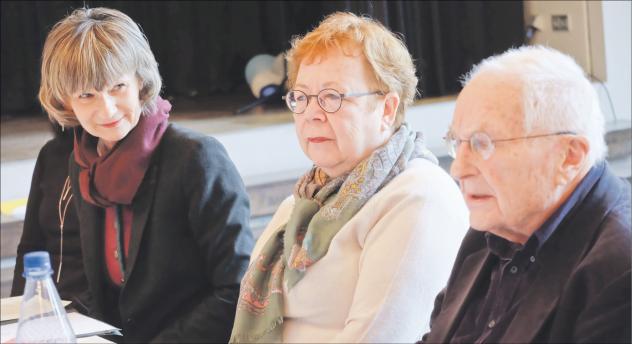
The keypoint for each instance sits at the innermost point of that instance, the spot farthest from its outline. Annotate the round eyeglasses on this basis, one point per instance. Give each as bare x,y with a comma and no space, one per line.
483,145
328,99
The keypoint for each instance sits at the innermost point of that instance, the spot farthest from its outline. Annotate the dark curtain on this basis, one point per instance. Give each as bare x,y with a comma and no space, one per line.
203,47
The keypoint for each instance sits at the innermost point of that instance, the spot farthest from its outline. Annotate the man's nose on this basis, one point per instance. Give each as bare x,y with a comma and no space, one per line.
461,165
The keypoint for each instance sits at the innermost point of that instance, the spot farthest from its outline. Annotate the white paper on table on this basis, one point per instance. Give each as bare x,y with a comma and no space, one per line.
93,340
82,326
10,307
8,332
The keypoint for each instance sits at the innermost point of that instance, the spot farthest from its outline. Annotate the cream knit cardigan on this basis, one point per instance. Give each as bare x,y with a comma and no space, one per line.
378,281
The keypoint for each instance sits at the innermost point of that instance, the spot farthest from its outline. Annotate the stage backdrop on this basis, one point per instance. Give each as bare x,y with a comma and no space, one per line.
203,47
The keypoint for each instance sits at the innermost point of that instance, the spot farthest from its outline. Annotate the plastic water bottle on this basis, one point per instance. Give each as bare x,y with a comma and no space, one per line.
43,318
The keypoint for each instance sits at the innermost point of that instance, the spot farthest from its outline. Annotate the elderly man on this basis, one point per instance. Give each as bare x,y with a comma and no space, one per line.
548,256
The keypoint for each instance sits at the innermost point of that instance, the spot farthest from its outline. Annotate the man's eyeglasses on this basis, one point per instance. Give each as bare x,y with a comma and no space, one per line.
483,145
328,99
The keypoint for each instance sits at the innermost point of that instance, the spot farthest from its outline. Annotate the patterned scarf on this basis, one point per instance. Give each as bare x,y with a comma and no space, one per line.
322,207
114,177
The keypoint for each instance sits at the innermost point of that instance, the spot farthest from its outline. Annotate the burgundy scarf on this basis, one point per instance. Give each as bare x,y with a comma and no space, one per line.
115,177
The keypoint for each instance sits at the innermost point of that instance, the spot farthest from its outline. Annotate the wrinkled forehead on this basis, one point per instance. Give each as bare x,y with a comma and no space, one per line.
492,104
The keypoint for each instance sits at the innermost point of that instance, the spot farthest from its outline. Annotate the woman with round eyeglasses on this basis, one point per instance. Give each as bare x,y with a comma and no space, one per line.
367,239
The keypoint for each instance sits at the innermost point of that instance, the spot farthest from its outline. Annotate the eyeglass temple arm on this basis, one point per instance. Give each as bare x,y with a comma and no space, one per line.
362,94
534,136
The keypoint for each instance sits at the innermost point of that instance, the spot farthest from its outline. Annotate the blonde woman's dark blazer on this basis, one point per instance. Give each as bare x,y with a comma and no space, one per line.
189,248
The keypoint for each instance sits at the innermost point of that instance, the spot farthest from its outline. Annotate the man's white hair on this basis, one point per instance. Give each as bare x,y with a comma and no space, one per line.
557,96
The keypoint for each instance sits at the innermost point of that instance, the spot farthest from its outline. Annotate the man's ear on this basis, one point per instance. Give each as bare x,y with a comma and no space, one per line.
574,159
391,104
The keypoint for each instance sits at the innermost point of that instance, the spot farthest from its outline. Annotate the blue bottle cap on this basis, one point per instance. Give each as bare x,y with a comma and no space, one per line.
37,263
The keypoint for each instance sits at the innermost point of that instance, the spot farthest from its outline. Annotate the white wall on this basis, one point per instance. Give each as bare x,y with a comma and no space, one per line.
617,22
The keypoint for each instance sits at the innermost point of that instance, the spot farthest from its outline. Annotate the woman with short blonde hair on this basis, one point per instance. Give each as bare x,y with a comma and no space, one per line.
87,50
163,213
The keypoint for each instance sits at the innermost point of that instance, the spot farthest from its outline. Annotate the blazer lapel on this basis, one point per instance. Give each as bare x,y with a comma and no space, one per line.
91,236
141,207
458,294
560,255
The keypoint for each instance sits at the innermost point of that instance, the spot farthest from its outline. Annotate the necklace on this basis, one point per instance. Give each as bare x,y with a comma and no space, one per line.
62,208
